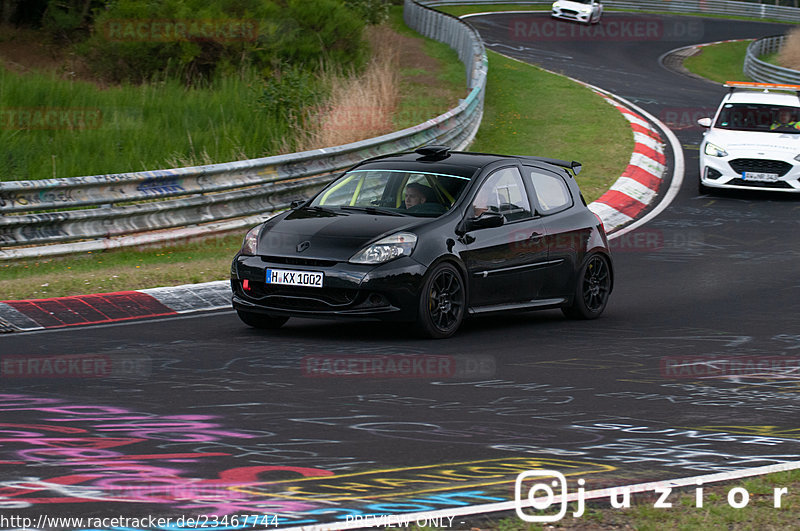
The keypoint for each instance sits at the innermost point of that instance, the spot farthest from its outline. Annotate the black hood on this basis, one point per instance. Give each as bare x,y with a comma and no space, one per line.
330,236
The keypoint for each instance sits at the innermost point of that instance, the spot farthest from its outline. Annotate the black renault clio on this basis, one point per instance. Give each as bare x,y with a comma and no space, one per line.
427,238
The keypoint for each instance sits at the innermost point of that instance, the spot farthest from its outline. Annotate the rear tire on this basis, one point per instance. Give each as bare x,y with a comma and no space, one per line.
260,320
442,302
591,289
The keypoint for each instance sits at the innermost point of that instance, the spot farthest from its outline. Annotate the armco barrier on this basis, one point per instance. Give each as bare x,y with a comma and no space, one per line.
765,72
50,217
701,7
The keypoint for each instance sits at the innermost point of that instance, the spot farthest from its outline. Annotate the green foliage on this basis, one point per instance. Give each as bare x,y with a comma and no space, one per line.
68,19
286,94
371,11
323,29
139,41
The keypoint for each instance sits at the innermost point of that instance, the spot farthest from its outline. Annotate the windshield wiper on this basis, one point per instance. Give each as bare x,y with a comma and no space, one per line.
373,210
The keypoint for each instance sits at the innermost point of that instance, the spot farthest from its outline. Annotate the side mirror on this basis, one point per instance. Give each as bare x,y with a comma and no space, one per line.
487,220
704,122
297,203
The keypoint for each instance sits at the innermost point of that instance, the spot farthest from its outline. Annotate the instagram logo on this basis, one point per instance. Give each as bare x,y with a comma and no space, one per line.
541,496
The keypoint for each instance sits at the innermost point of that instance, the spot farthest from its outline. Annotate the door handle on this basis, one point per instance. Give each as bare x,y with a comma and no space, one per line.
536,237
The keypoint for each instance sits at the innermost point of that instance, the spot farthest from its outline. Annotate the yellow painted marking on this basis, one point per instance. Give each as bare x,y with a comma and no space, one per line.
448,476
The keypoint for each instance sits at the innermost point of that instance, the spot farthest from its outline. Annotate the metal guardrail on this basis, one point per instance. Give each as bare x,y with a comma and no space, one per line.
765,72
50,217
703,7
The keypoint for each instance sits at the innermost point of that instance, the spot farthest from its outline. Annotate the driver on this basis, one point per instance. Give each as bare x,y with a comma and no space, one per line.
785,121
417,194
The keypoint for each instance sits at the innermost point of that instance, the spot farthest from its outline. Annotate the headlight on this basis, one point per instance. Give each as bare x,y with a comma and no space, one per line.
715,151
250,242
797,158
388,248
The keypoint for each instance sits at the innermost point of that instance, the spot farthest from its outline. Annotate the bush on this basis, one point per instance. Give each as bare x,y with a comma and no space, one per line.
371,11
132,40
68,19
286,94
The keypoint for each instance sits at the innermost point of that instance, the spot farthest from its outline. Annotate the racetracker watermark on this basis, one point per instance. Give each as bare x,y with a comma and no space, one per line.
541,496
685,118
75,366
677,367
40,118
399,366
619,29
638,241
180,30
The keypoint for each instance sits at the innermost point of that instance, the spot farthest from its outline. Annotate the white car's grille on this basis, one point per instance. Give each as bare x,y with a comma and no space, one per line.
761,165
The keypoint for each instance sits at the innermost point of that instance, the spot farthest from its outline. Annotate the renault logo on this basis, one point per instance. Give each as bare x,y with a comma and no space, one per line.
302,246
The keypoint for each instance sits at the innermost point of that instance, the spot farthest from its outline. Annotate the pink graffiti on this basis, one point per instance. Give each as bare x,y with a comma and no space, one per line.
102,470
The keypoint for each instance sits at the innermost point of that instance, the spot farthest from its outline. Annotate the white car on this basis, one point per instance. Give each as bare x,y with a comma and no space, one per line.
586,11
753,142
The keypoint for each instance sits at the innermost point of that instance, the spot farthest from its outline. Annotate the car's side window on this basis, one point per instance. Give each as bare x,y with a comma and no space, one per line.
552,193
504,192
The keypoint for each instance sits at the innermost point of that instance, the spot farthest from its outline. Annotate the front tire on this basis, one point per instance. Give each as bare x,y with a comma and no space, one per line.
442,302
591,289
260,320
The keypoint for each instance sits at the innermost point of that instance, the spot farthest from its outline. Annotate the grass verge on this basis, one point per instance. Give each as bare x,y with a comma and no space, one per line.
531,112
93,131
527,111
719,62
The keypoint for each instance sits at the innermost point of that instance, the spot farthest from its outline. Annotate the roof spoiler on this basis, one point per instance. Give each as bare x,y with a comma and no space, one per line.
574,165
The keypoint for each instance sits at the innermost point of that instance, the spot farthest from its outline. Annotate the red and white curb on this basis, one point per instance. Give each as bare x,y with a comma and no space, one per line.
103,308
641,181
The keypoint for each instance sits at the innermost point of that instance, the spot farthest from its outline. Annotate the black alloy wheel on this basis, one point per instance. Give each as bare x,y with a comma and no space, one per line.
442,302
591,289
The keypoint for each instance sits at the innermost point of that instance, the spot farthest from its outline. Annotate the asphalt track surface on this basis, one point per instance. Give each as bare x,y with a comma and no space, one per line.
204,416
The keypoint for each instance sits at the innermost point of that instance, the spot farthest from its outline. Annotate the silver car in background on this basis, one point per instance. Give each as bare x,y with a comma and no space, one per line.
584,11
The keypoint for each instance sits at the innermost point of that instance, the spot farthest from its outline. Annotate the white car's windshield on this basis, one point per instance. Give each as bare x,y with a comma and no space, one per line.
393,192
759,117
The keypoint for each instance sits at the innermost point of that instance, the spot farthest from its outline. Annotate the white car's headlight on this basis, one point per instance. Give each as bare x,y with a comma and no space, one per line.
250,243
715,151
797,158
385,249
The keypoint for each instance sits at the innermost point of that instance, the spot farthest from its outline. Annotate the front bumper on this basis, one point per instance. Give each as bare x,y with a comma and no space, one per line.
385,292
569,14
728,172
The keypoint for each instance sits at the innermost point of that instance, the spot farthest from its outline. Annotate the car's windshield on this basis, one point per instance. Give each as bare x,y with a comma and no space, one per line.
759,117
582,1
391,191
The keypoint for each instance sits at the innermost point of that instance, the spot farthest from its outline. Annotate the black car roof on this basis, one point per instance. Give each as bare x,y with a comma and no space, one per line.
457,163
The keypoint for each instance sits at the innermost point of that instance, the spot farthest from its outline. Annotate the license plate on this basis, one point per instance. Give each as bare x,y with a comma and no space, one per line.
760,177
286,277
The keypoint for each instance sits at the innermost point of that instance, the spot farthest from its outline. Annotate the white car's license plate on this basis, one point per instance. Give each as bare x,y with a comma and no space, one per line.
295,278
760,177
